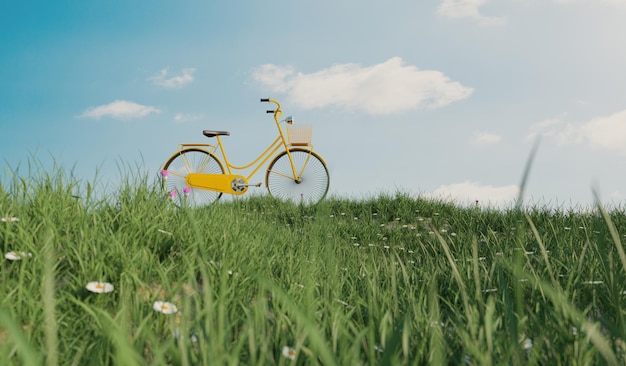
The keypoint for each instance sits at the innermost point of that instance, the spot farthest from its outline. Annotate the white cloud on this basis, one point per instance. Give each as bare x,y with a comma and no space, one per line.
485,138
548,127
273,76
617,196
608,133
177,81
384,88
467,193
614,2
604,133
183,117
119,109
467,9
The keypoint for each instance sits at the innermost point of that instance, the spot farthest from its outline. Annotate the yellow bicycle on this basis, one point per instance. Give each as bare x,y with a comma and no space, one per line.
195,176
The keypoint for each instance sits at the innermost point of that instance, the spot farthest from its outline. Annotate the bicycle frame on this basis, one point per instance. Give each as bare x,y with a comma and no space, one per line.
238,184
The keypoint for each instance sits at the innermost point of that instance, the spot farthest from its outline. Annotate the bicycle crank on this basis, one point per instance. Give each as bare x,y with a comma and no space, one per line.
239,185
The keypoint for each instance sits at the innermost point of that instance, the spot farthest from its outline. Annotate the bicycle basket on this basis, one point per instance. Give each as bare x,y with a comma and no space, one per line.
299,135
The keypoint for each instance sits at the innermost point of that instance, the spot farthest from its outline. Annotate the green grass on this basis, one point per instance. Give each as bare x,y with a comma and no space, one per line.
384,280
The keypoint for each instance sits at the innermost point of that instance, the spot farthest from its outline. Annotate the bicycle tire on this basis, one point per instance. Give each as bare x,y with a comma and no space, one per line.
185,162
314,179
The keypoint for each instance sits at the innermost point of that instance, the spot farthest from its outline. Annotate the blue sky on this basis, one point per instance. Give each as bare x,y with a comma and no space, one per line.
435,98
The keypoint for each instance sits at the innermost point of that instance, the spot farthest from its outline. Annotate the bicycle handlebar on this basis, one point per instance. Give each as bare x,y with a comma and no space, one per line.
276,112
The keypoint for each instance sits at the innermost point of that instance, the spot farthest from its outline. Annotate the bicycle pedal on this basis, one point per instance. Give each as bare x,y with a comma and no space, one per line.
237,185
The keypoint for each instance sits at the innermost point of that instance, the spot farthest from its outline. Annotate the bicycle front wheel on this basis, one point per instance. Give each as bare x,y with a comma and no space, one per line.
312,183
175,173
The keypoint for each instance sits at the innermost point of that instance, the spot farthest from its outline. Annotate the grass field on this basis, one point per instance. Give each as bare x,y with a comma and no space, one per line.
385,280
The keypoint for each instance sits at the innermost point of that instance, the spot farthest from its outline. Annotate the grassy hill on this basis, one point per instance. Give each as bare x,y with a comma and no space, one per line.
386,280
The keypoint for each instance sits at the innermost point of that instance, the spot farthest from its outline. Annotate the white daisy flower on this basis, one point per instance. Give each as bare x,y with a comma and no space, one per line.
99,287
17,256
593,282
289,352
164,307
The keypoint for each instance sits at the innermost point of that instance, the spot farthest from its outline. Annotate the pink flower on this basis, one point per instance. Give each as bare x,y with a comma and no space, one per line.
164,173
173,194
186,190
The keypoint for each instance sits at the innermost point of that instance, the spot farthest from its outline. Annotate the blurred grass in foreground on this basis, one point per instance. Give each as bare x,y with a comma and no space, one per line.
389,279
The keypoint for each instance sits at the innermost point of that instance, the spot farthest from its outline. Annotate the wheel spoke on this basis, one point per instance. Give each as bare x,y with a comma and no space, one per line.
205,162
191,161
306,162
186,163
281,174
310,186
177,174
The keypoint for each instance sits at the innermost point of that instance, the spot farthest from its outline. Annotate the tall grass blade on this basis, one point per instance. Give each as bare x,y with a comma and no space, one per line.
529,163
49,303
437,343
29,354
591,329
542,247
612,230
318,343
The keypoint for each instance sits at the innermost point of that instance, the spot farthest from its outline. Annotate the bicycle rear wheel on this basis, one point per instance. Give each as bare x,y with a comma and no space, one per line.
175,172
313,182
